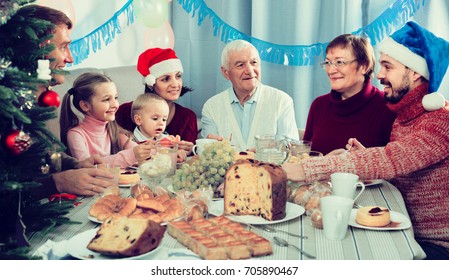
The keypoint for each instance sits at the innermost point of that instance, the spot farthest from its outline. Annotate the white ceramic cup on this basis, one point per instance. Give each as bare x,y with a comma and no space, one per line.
198,148
345,184
335,212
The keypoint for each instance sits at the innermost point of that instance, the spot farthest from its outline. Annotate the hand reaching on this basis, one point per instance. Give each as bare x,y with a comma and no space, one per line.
214,136
90,162
83,181
185,145
144,151
354,145
182,155
294,171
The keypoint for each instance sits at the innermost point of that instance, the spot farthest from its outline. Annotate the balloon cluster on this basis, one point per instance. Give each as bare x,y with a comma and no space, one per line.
154,15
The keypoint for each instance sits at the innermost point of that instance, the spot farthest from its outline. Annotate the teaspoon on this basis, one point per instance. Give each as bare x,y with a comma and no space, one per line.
272,229
282,242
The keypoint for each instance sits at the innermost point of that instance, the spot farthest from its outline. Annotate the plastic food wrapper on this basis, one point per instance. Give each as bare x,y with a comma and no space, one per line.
196,203
154,171
316,218
308,196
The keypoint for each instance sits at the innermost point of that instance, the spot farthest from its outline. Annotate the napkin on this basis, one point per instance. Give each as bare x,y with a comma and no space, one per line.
51,250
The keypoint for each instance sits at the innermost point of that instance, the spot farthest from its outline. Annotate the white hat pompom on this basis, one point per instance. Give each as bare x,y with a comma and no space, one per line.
433,101
150,80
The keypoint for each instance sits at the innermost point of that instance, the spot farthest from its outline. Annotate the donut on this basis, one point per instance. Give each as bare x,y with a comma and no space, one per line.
373,216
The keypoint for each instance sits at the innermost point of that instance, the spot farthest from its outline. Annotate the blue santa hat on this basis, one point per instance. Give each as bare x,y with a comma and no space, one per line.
424,53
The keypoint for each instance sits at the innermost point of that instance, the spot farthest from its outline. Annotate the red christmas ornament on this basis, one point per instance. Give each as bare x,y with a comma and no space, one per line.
16,142
49,98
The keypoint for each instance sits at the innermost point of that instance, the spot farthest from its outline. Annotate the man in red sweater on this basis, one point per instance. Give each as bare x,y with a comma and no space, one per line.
416,160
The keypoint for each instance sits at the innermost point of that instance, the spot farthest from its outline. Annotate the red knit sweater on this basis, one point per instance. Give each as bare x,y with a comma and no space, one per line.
365,116
416,161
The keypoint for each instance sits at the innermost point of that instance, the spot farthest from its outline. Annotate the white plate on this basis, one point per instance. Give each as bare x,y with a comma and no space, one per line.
77,248
402,222
125,186
292,211
93,219
373,182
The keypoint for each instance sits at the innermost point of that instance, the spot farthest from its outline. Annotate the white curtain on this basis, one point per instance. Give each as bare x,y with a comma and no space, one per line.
284,22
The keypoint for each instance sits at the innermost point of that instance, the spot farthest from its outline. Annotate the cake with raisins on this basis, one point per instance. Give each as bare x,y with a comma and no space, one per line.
255,188
126,237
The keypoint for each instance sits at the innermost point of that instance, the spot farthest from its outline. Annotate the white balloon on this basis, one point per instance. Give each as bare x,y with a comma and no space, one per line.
162,37
152,13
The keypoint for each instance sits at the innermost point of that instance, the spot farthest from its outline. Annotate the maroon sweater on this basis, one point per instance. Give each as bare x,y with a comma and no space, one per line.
183,123
365,116
416,160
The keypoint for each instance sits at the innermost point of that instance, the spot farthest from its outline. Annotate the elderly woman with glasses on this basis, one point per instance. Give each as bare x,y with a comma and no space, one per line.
354,110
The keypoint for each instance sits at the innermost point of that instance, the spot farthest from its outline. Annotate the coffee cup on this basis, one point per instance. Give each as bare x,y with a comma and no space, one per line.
335,212
345,184
200,144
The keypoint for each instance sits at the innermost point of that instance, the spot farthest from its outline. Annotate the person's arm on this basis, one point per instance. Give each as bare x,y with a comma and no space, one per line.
287,122
83,181
208,126
77,145
294,171
47,188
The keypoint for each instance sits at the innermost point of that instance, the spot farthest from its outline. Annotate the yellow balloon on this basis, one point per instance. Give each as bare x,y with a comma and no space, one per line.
152,13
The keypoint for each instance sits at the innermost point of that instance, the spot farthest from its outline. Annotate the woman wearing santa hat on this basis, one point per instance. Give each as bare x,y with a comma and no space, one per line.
162,71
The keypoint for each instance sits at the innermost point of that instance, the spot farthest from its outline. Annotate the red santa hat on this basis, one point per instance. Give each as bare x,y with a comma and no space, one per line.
156,62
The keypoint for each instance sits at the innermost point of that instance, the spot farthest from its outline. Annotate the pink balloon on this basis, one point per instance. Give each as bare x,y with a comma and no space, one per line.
161,37
65,6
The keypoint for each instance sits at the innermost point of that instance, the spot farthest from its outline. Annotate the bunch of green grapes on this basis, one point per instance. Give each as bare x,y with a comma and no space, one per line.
208,170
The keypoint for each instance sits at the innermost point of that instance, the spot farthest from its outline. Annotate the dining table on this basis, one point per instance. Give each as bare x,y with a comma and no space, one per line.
358,244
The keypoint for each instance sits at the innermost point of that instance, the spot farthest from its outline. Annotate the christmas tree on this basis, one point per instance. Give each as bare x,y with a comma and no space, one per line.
25,140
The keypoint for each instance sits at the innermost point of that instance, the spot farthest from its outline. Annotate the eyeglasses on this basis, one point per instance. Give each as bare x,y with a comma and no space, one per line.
337,64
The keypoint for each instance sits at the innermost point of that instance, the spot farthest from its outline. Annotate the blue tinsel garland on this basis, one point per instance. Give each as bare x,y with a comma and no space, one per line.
293,55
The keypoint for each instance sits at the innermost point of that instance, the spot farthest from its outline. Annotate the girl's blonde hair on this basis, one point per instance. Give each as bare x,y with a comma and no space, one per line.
83,89
143,100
